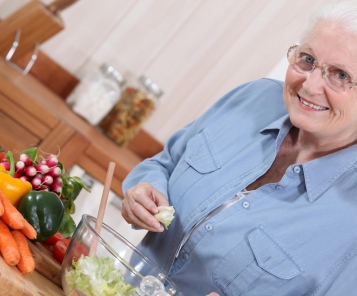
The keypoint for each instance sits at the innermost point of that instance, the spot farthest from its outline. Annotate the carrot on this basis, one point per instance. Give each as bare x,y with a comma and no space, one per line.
29,231
1,208
26,263
11,215
8,247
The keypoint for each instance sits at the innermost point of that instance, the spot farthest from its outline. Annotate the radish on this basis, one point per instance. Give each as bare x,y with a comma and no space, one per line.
55,172
38,175
6,165
57,188
19,166
17,175
42,188
26,159
25,178
42,168
47,180
58,180
30,171
51,161
36,182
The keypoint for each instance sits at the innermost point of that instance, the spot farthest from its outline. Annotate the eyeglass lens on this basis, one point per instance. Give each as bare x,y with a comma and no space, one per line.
304,63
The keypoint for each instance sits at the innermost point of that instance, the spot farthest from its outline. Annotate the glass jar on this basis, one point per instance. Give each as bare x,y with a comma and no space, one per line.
136,105
97,93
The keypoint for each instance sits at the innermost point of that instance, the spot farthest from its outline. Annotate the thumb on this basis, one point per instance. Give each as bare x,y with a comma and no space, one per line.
159,198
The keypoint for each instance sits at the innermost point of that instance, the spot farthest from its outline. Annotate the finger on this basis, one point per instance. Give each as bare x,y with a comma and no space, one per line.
137,215
145,197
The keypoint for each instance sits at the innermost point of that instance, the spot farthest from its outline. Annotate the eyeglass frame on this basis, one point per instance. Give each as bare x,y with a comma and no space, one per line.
323,70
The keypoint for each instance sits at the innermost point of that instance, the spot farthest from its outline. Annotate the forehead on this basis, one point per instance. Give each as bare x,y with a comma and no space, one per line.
332,44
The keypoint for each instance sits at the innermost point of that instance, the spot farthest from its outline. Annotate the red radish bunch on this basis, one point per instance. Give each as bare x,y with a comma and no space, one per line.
45,175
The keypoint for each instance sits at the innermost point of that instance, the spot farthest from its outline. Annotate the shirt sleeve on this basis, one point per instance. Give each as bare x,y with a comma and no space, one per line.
157,170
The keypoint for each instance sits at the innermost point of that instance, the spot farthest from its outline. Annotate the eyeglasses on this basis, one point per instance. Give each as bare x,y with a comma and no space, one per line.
304,63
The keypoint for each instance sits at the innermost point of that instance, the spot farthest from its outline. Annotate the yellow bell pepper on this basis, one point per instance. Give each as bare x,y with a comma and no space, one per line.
2,169
13,188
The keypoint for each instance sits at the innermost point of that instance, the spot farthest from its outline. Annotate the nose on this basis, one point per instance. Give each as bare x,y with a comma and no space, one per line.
314,82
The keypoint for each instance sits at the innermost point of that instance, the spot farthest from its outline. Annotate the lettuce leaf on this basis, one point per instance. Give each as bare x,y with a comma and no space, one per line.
165,215
97,276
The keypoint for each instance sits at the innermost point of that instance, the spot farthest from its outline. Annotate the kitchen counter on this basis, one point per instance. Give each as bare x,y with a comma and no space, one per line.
13,282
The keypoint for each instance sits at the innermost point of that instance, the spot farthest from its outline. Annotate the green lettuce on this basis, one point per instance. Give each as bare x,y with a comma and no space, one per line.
97,276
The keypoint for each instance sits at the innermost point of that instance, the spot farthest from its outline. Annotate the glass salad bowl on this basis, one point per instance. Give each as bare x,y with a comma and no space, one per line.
107,264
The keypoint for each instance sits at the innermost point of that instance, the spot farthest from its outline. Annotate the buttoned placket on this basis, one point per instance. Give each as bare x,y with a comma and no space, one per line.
240,195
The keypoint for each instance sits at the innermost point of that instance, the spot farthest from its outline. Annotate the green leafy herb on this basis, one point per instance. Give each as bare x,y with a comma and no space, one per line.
68,226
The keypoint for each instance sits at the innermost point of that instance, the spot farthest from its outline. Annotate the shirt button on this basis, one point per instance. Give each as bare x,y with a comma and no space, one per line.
278,187
245,204
192,156
297,169
185,256
209,227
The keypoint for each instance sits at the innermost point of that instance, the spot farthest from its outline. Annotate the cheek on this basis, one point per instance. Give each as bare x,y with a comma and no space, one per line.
293,80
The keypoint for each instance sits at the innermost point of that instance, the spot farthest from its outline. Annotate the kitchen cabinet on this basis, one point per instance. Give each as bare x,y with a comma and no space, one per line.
33,115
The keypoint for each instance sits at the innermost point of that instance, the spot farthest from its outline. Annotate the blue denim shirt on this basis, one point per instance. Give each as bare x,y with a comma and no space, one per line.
294,237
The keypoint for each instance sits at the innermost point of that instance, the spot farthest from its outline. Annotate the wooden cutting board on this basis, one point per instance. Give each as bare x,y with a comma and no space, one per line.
13,282
45,264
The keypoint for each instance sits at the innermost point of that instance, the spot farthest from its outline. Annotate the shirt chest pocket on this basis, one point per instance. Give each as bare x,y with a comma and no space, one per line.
199,159
258,267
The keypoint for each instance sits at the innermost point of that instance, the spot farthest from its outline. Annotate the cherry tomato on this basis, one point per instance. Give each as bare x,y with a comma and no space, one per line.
60,248
78,250
54,239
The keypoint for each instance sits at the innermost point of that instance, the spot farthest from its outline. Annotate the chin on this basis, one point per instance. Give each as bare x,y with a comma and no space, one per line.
303,123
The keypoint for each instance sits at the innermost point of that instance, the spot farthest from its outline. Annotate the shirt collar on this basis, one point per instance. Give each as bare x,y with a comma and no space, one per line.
321,172
280,124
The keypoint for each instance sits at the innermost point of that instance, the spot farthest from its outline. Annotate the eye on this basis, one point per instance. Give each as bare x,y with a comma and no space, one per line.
339,74
305,62
342,75
307,58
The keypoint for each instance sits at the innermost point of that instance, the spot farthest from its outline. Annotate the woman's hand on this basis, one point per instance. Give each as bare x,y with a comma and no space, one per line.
213,294
140,204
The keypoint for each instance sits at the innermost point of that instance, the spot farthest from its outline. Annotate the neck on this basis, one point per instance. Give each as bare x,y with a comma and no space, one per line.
309,146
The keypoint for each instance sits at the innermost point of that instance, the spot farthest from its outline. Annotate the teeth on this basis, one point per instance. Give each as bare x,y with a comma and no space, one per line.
319,108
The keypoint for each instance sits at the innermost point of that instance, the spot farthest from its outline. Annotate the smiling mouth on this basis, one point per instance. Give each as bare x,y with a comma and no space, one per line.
315,107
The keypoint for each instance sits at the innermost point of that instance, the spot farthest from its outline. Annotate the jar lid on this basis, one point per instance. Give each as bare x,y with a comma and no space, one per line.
151,86
110,71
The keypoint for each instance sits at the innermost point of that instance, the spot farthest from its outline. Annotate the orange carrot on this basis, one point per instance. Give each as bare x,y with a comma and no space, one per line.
29,231
11,215
8,246
1,208
26,263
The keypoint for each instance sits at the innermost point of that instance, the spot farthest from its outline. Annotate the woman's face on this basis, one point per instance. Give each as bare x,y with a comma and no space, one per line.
312,105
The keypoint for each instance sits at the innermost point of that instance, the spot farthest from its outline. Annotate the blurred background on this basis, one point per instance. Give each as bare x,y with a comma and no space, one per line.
195,50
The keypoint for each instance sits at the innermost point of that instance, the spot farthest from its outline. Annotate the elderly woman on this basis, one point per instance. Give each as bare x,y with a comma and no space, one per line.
265,192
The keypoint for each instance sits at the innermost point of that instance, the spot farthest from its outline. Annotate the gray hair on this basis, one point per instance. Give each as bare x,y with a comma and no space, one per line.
343,13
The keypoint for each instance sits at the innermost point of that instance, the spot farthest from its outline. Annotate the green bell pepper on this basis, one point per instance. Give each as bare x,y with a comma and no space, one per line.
44,211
